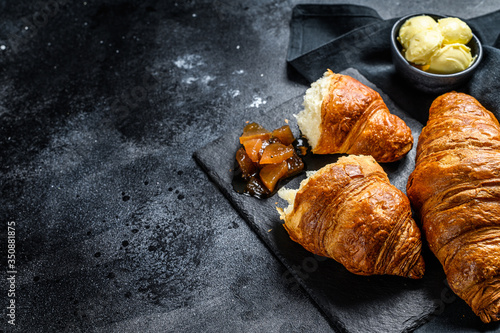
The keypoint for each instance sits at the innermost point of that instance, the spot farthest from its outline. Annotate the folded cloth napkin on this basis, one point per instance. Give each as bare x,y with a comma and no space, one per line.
344,36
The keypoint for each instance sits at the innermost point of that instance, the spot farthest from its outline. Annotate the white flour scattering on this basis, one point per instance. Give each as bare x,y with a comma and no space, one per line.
257,102
189,61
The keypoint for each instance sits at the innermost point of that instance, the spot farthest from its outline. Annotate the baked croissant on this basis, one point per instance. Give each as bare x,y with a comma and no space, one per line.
455,189
348,211
342,115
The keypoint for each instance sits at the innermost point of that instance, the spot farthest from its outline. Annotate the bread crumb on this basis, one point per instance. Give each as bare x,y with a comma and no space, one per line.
309,119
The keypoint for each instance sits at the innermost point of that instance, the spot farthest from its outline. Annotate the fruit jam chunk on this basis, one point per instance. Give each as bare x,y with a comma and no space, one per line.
266,157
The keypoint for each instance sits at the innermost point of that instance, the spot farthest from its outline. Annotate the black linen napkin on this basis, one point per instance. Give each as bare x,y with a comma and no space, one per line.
361,39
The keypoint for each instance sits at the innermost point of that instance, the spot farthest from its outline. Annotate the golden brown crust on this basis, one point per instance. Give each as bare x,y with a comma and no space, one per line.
455,188
355,120
350,212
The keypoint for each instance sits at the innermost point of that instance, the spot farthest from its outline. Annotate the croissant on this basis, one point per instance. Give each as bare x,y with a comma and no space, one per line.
455,190
348,211
342,115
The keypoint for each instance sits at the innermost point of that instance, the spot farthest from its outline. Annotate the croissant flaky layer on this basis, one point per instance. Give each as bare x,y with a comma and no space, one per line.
455,189
350,212
342,115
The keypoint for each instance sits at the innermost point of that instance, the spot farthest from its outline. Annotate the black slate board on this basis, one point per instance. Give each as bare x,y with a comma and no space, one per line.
352,303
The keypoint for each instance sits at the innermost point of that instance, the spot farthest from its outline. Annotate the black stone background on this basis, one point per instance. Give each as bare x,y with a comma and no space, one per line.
102,104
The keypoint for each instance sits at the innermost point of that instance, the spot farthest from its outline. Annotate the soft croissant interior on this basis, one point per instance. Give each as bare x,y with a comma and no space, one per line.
309,119
288,195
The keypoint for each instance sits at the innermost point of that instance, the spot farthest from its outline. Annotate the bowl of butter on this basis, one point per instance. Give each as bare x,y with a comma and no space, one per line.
434,53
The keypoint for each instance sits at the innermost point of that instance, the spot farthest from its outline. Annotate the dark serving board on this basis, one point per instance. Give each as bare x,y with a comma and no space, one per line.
352,303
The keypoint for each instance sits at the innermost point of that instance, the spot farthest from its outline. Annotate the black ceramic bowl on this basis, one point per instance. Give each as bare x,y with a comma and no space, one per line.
429,82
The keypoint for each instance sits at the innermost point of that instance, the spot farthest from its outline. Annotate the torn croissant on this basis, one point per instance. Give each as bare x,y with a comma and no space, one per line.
455,189
342,115
348,211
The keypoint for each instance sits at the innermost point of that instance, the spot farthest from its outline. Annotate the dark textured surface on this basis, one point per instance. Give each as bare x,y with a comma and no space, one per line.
102,104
